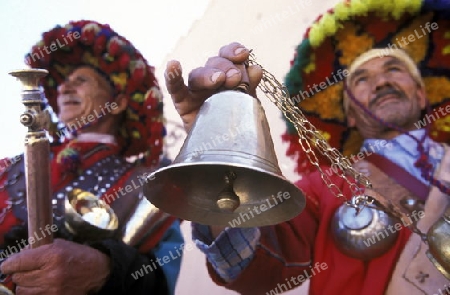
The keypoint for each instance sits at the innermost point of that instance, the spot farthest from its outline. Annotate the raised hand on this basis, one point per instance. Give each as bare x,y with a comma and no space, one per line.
223,72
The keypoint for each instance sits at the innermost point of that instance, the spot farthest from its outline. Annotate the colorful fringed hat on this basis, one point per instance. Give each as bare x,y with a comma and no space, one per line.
336,38
86,42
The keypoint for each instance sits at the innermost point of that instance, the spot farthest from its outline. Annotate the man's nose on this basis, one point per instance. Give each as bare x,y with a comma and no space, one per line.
65,87
380,81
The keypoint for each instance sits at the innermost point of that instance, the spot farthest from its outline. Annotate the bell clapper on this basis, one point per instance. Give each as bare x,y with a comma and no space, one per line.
227,200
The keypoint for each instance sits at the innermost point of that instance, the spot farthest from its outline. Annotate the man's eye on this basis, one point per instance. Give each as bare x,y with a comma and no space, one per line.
394,69
76,80
360,79
80,80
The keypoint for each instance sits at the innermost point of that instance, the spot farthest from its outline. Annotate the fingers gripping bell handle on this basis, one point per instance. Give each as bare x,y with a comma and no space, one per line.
244,86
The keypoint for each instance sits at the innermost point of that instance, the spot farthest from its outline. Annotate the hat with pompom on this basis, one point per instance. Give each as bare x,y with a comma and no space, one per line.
332,43
86,42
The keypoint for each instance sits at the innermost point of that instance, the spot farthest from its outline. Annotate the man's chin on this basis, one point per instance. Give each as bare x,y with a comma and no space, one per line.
70,122
393,119
392,109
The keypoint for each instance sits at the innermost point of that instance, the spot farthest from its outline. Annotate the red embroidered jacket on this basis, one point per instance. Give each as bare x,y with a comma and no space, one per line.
91,154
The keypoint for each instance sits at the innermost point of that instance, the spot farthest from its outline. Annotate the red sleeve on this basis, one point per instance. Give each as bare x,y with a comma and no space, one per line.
287,249
7,218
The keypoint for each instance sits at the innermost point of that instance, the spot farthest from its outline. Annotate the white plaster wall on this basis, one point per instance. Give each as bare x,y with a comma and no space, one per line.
272,29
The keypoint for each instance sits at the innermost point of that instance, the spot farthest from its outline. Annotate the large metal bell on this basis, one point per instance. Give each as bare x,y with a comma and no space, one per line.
227,172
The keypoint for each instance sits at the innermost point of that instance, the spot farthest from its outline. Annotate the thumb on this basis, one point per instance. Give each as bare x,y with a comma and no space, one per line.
255,75
175,82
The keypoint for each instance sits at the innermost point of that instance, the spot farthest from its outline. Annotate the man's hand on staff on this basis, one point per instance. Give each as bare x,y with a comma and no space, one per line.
62,267
221,72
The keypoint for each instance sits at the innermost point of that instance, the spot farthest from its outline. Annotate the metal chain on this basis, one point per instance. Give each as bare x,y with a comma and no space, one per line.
309,136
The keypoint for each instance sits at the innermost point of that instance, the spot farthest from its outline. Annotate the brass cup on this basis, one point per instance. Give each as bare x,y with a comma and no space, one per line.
438,237
352,231
89,218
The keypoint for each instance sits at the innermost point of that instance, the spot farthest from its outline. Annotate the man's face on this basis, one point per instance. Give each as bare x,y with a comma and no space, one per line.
83,92
387,89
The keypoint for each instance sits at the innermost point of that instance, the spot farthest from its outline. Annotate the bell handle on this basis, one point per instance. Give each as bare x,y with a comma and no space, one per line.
244,86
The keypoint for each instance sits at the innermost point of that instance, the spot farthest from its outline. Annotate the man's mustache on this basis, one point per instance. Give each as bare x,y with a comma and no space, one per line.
384,92
64,98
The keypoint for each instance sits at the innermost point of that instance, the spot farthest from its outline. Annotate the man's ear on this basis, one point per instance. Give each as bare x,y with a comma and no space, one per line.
351,121
119,104
422,97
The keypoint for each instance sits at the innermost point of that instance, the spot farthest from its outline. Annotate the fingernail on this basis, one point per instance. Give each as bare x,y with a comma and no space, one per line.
239,50
215,76
232,72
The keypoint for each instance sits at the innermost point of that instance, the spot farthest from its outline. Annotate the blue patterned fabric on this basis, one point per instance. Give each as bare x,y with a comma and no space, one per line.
232,250
402,150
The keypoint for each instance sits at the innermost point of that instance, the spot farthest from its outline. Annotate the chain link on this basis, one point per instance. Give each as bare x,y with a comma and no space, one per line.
310,137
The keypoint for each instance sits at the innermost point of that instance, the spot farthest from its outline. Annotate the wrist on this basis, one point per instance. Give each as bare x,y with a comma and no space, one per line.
102,266
216,230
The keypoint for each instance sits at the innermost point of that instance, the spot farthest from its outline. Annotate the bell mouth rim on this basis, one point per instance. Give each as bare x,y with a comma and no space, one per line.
438,265
200,215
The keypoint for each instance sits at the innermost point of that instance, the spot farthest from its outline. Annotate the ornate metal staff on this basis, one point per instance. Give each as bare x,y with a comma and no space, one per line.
37,155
